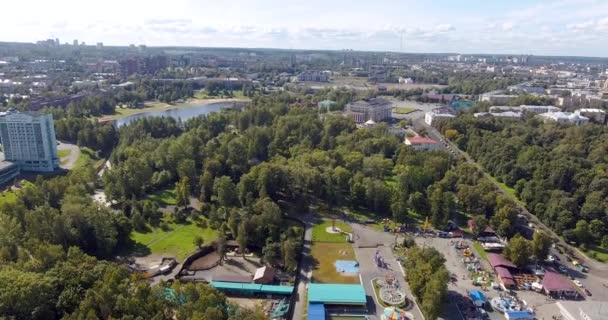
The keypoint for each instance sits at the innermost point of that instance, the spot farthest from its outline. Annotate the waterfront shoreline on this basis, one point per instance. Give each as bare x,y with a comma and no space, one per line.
162,106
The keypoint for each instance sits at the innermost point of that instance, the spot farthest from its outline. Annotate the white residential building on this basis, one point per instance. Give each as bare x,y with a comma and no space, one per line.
28,139
564,117
525,108
595,115
433,116
504,115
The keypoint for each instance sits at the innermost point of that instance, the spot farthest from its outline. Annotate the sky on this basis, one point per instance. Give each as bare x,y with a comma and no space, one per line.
539,27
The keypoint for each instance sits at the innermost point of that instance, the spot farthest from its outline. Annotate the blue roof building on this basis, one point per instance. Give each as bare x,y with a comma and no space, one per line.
342,294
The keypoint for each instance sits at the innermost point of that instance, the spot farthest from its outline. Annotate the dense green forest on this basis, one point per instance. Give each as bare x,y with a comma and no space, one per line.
559,171
249,169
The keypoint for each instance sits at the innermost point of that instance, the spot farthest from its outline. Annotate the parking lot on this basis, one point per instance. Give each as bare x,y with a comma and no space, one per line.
462,283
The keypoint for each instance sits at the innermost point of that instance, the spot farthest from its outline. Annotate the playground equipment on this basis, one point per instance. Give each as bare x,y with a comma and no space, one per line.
467,253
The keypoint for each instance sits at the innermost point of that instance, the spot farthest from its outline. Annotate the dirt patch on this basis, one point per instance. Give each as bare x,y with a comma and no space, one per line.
205,262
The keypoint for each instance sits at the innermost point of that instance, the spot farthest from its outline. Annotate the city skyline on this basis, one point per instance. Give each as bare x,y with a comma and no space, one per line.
540,27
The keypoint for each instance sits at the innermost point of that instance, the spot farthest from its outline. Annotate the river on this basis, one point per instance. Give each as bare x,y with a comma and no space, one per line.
183,113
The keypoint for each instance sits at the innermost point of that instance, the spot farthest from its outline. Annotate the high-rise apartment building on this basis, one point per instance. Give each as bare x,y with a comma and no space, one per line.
28,139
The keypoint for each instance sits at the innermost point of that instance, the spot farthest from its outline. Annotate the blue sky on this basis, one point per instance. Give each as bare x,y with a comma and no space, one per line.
541,27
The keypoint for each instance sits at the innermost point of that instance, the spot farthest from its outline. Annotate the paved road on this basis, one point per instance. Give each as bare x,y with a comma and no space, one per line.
72,157
305,270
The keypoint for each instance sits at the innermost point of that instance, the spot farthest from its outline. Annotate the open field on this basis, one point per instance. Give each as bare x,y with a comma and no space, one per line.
176,239
320,234
599,253
63,153
403,110
324,255
160,106
166,197
236,94
482,253
87,158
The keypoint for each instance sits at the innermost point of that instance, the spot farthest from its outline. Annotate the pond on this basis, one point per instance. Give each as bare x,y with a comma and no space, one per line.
183,113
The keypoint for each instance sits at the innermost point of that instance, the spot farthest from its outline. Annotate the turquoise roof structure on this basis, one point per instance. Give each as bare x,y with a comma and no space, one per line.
352,294
252,288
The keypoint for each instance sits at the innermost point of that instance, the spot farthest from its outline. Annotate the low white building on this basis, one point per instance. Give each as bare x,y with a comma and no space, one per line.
564,117
422,143
525,108
433,116
504,115
405,80
595,115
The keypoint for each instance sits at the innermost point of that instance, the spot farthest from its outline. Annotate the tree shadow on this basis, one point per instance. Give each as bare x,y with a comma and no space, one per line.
136,249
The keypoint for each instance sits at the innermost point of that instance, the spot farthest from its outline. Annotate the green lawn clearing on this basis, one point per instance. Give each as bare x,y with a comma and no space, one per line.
403,110
10,196
319,232
86,158
324,255
63,153
482,253
598,253
176,240
166,197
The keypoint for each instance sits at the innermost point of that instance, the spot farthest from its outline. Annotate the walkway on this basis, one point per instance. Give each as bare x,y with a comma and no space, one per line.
305,273
365,235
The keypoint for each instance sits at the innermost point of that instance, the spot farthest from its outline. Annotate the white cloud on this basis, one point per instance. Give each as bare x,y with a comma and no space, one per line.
581,26
444,27
507,26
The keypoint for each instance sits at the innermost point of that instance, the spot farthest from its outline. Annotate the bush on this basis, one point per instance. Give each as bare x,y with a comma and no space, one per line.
408,241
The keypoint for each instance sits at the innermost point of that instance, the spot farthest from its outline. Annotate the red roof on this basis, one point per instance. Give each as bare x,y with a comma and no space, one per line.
421,140
505,276
555,282
498,260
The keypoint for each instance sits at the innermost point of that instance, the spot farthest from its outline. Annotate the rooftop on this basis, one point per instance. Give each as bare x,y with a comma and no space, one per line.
421,140
498,260
553,281
336,293
252,287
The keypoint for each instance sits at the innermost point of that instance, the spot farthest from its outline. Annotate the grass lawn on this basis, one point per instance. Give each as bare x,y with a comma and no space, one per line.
598,253
87,158
236,94
176,240
319,232
63,153
324,256
403,110
482,253
166,197
10,196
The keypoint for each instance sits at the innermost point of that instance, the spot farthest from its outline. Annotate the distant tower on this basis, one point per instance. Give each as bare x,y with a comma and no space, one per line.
75,42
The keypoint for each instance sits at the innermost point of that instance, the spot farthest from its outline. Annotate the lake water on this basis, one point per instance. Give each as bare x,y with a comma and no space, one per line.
183,113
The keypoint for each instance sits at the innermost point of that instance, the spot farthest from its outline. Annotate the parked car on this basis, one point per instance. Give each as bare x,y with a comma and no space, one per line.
578,283
551,258
562,269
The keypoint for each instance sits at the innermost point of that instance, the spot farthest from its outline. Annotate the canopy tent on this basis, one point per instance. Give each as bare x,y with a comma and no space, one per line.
519,315
394,313
478,298
316,311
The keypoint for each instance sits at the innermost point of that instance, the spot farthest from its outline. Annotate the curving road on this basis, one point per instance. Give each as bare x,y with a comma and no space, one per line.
68,161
